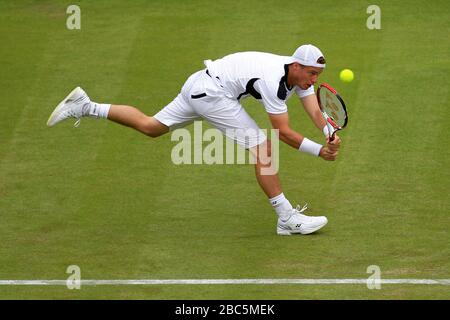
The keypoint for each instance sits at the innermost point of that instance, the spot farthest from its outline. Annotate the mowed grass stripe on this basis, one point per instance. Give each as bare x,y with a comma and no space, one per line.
48,218
22,63
104,188
22,176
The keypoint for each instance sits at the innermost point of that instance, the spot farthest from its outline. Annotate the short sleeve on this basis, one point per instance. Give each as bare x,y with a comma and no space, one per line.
272,103
303,93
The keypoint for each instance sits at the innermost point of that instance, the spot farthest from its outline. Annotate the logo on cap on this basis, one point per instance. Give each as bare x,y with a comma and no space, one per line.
321,60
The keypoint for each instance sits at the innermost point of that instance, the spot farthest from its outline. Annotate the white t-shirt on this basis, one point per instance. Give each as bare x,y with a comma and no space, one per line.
261,75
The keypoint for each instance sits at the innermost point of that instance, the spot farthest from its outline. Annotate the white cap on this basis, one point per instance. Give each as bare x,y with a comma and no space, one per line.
309,55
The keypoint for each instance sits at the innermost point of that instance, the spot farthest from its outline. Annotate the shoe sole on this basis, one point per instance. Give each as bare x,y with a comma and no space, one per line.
284,232
59,106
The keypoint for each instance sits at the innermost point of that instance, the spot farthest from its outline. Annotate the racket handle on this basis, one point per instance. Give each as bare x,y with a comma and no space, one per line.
332,136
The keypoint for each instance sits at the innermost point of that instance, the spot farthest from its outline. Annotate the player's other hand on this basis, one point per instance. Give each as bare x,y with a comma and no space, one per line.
335,144
328,153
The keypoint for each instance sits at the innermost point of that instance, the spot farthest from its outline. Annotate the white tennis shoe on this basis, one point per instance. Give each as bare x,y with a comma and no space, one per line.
296,222
75,105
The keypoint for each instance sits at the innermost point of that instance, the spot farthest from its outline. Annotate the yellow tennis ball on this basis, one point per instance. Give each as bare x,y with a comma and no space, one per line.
346,75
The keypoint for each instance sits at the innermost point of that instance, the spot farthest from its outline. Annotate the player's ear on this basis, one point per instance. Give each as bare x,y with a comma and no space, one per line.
296,65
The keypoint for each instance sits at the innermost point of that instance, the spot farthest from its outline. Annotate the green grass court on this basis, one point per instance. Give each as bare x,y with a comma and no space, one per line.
110,200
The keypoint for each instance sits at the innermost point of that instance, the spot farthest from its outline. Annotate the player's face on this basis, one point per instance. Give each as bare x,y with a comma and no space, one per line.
307,76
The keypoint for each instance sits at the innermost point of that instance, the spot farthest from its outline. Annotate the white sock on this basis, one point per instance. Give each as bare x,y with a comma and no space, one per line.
98,110
281,205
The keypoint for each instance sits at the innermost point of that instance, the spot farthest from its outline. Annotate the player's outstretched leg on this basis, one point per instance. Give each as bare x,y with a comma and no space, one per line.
134,118
290,220
78,104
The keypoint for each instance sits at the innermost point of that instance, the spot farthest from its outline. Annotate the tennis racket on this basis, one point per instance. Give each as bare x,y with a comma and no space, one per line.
333,109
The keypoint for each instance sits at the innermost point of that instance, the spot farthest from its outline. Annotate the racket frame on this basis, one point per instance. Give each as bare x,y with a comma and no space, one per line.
333,127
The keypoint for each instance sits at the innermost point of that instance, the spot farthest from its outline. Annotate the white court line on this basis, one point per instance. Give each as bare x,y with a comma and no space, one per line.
223,281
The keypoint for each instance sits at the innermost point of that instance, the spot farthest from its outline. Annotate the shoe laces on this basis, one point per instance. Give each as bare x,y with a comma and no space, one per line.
73,115
84,110
299,209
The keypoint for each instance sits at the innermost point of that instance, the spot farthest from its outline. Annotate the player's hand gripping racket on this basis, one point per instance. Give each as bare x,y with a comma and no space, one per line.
333,109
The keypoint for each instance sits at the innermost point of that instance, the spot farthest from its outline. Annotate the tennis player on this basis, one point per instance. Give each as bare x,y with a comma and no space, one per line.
215,93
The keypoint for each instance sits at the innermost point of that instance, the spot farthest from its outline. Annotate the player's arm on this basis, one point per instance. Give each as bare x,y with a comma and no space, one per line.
295,139
286,134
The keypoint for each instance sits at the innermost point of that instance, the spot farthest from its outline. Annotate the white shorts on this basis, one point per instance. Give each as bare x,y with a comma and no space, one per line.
202,98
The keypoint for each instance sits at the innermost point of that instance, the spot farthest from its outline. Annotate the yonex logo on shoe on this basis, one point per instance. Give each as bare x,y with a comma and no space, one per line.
191,149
